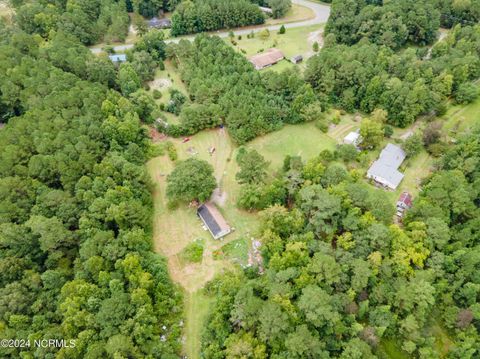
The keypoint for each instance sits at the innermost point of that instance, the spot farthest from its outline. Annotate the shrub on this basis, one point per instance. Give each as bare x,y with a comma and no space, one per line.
466,93
321,125
193,252
388,131
171,151
157,94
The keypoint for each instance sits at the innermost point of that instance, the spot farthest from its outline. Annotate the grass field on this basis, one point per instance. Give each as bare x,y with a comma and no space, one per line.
175,229
415,170
235,250
461,119
389,349
296,13
294,42
6,12
196,310
303,140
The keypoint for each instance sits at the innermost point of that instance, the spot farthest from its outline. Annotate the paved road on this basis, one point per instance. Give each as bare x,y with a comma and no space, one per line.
322,12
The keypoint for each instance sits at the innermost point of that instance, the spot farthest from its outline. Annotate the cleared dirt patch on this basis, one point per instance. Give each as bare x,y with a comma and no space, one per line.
160,84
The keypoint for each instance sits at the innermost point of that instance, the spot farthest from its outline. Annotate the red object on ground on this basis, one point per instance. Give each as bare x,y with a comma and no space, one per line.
186,139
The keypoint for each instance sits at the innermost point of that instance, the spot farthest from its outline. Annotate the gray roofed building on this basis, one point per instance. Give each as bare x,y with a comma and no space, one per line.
162,23
296,59
118,58
385,169
213,219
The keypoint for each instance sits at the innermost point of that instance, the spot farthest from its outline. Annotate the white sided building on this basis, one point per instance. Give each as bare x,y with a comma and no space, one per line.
353,138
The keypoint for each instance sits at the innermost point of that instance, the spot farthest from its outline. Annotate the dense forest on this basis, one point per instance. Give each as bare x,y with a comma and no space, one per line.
409,83
75,207
225,88
208,15
395,23
341,280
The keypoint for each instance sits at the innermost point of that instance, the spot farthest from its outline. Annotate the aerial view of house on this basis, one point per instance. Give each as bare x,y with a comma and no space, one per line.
267,58
385,170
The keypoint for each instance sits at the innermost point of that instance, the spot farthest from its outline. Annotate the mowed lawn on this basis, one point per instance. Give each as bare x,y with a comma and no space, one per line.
197,305
295,140
296,13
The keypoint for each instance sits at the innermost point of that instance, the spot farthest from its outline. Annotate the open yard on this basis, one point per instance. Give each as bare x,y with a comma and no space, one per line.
175,229
6,12
460,119
196,311
303,140
296,13
296,41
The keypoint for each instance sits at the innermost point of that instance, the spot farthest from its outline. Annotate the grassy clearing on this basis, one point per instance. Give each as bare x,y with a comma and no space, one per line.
347,124
236,251
193,252
196,310
6,12
415,170
461,119
165,80
296,13
175,229
293,42
303,140
389,349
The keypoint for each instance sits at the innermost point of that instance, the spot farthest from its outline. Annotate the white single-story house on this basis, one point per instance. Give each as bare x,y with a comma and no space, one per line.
353,138
118,58
385,170
266,10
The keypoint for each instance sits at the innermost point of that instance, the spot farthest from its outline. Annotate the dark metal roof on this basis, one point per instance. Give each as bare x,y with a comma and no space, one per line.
213,219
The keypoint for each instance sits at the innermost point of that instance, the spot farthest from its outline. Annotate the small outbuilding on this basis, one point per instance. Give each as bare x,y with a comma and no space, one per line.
404,203
385,170
266,10
267,58
157,23
296,59
213,220
118,58
353,138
